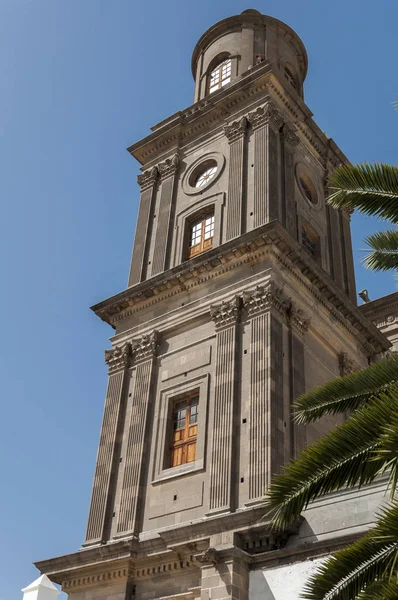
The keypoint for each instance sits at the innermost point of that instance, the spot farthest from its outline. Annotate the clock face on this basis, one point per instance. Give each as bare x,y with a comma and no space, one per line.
205,176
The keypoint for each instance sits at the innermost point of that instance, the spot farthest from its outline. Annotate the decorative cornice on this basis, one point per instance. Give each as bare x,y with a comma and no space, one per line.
249,249
169,166
148,178
226,314
145,347
262,298
118,358
106,575
236,130
346,364
289,134
298,320
265,114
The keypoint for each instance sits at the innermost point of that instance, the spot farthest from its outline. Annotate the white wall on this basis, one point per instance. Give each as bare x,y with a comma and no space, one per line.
281,583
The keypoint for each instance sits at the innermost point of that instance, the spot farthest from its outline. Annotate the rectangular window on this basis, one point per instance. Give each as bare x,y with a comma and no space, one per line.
201,235
310,241
184,433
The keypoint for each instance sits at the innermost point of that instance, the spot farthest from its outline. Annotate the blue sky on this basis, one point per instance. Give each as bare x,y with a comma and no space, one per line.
80,81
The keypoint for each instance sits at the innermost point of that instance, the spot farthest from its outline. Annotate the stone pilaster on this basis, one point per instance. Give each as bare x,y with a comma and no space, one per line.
289,208
235,133
118,361
168,170
266,122
134,464
147,181
226,317
266,400
224,574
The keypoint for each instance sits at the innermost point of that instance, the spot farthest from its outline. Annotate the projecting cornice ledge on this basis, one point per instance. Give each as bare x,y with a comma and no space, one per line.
249,248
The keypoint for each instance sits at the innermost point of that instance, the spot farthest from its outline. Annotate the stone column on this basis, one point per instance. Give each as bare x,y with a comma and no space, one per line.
298,325
134,463
266,430
147,181
289,208
167,170
235,133
225,316
266,122
118,360
224,573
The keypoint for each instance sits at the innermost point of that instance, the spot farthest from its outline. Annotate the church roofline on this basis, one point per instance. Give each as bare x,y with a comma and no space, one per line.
243,93
193,272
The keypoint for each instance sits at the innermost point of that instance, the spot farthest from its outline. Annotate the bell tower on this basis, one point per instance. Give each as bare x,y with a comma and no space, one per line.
241,295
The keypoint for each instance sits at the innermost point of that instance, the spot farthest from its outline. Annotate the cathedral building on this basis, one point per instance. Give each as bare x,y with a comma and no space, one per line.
241,296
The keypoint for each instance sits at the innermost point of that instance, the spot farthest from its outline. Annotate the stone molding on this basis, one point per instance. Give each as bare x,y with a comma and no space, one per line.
227,313
105,576
236,130
145,347
298,320
169,166
346,364
118,358
265,114
251,248
290,135
148,178
262,298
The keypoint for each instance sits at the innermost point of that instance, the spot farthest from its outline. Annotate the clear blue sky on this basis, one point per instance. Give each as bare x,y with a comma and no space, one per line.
80,81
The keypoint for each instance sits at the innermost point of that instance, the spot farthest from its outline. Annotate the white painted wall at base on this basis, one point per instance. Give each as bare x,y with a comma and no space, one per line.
281,583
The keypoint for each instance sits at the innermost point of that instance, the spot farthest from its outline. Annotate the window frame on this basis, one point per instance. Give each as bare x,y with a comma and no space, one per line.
187,439
219,67
161,469
205,243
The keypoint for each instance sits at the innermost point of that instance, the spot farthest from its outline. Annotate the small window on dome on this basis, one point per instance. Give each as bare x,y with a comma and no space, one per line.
290,77
220,76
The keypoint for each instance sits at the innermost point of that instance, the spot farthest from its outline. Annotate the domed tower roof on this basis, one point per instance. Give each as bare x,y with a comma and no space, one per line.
247,39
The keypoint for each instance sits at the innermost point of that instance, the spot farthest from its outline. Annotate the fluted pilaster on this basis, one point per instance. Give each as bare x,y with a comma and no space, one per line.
225,317
235,133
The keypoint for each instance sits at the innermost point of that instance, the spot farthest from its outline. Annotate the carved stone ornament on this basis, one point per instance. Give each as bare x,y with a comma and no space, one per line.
265,114
346,365
236,130
145,347
209,556
289,134
148,178
169,166
298,320
226,313
118,358
265,297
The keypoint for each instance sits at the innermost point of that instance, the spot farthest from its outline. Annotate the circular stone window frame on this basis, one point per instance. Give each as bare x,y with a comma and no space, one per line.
197,168
302,172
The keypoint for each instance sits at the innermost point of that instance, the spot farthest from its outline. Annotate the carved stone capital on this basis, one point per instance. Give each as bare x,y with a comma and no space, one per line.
169,166
298,320
118,358
289,134
148,178
346,364
226,313
263,298
263,115
236,130
145,347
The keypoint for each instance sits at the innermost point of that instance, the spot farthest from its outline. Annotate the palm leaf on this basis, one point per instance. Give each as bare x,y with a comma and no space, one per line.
385,251
345,457
351,573
346,393
371,189
382,589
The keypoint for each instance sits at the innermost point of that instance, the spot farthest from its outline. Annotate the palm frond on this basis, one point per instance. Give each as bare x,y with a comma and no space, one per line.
370,188
352,572
345,457
382,589
346,393
385,250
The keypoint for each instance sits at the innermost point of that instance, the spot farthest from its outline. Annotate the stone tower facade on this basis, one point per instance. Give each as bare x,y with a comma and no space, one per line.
241,295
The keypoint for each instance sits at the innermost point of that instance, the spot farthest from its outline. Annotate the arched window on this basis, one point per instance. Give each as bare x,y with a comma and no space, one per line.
220,75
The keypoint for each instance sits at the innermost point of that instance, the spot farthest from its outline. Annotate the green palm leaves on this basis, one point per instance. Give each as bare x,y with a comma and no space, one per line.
373,190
